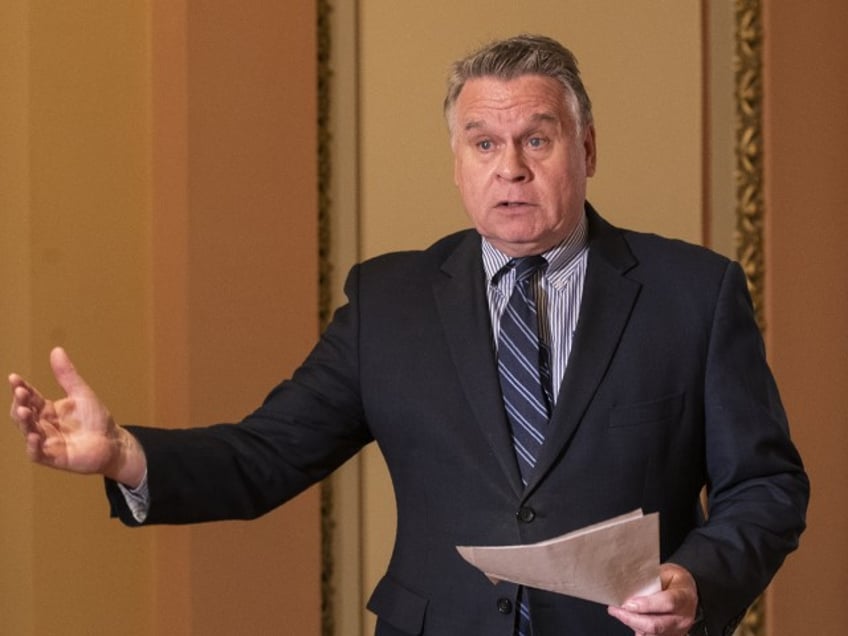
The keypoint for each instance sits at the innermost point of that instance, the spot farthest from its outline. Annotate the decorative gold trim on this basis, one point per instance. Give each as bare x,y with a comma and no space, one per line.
750,209
749,148
324,49
324,77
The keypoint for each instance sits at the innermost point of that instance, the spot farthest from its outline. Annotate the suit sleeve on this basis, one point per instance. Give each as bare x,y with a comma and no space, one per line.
757,487
306,427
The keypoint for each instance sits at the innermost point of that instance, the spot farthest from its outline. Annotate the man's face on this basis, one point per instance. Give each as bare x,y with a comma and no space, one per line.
520,161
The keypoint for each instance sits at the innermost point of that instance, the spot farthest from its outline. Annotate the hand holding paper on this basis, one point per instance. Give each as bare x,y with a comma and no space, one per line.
608,562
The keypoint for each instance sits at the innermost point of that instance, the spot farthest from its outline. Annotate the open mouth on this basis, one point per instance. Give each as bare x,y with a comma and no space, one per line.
513,204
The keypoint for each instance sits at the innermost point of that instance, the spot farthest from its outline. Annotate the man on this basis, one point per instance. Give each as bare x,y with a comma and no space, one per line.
515,398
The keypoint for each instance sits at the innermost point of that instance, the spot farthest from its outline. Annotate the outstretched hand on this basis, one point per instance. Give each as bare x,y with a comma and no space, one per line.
74,433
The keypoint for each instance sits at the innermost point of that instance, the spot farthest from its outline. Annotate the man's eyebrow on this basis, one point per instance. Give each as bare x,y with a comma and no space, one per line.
543,117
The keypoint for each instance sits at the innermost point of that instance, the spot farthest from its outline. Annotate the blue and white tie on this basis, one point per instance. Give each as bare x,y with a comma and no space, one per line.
525,380
522,367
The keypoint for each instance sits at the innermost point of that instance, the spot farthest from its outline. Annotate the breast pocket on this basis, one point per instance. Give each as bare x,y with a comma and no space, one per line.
668,408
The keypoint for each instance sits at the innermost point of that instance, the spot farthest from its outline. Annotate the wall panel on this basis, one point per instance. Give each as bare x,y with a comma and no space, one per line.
76,219
158,217
806,146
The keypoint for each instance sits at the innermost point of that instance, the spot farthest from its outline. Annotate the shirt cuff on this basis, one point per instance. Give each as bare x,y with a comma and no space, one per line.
138,499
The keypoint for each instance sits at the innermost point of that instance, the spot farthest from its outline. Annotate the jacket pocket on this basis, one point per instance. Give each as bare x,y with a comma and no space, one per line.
400,607
666,408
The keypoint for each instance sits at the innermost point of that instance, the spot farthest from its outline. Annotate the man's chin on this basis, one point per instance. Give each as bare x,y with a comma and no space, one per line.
518,246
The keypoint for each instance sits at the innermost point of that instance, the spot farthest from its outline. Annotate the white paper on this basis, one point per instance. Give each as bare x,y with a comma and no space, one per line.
607,562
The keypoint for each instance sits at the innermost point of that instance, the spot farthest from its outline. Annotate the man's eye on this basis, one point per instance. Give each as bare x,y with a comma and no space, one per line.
536,142
486,144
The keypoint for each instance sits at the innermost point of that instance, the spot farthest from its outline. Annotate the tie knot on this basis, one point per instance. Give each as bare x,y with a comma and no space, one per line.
526,266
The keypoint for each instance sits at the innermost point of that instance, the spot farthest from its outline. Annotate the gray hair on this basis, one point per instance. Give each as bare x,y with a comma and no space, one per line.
522,55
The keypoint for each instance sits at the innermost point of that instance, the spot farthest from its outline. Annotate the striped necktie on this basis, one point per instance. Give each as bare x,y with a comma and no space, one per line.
525,377
522,367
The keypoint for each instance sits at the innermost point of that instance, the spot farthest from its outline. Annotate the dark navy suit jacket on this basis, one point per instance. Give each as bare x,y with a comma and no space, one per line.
667,390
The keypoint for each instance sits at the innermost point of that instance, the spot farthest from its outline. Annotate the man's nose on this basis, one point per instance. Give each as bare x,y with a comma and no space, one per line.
512,166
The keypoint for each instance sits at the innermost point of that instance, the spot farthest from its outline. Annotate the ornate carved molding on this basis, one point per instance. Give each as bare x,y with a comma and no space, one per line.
324,79
749,148
750,209
324,48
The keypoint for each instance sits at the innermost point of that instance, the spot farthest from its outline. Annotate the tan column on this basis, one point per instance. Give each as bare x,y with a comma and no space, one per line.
806,136
157,218
74,243
16,482
235,286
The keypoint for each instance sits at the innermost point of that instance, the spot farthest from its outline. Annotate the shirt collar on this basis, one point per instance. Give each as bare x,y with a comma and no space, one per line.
560,257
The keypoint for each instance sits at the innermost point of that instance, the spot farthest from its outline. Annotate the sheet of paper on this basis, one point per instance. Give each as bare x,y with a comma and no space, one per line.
607,562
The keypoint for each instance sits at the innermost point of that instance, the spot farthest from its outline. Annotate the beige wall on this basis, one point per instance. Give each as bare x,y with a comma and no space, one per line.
16,480
806,146
642,67
158,218
73,220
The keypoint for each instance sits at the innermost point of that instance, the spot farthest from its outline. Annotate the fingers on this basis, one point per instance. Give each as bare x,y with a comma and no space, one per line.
14,382
66,374
669,612
34,447
651,624
27,402
28,406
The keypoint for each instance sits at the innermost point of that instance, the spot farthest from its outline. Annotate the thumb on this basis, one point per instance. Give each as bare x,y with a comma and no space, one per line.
66,374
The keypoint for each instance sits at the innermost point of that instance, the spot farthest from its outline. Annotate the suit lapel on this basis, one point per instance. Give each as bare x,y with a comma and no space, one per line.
463,308
608,299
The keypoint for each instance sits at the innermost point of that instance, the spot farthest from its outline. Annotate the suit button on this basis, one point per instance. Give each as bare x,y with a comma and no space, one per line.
504,605
526,514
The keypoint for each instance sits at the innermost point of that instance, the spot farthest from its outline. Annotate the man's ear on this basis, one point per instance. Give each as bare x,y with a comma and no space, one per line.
590,150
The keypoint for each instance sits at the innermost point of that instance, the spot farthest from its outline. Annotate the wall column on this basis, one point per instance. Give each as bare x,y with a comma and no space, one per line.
806,137
158,215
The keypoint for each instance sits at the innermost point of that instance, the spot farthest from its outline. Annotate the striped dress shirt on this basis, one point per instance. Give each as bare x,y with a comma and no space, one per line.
559,291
